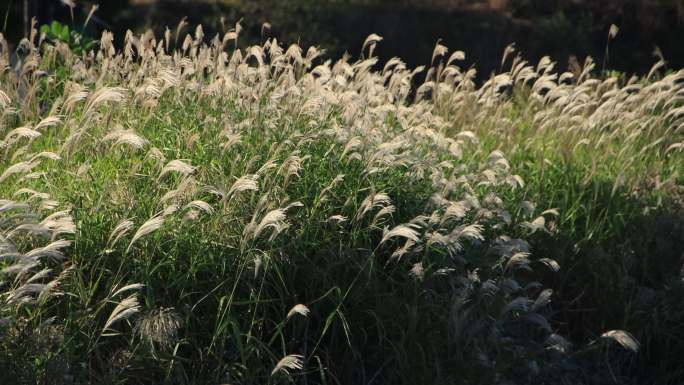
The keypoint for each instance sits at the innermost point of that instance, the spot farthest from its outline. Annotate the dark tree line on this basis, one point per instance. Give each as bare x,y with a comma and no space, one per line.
559,28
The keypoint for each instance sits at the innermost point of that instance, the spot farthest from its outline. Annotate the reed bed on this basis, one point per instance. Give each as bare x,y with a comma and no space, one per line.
187,210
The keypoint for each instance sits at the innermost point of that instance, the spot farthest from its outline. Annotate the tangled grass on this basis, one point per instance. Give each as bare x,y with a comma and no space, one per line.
190,212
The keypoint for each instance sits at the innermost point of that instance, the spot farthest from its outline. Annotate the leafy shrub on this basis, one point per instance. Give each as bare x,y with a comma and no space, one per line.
78,42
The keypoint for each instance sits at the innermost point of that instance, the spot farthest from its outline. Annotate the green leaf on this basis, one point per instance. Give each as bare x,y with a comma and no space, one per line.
65,33
55,28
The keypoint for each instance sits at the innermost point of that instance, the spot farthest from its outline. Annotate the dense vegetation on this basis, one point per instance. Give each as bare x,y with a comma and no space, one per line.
194,211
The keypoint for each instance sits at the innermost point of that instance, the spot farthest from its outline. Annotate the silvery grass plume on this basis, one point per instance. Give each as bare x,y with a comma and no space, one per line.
323,196
287,363
48,122
5,100
151,225
298,309
126,137
39,271
372,201
625,339
119,231
32,194
185,190
540,223
200,205
179,166
75,94
123,310
291,167
18,168
402,231
275,220
159,327
103,96
15,135
243,183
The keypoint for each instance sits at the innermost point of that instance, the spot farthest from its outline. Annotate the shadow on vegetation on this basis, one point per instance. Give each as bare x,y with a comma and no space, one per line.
628,275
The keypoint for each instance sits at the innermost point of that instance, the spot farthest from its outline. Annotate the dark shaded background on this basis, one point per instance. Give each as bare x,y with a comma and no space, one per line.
559,28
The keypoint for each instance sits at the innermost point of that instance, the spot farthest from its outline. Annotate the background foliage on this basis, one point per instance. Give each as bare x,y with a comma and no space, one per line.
559,28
